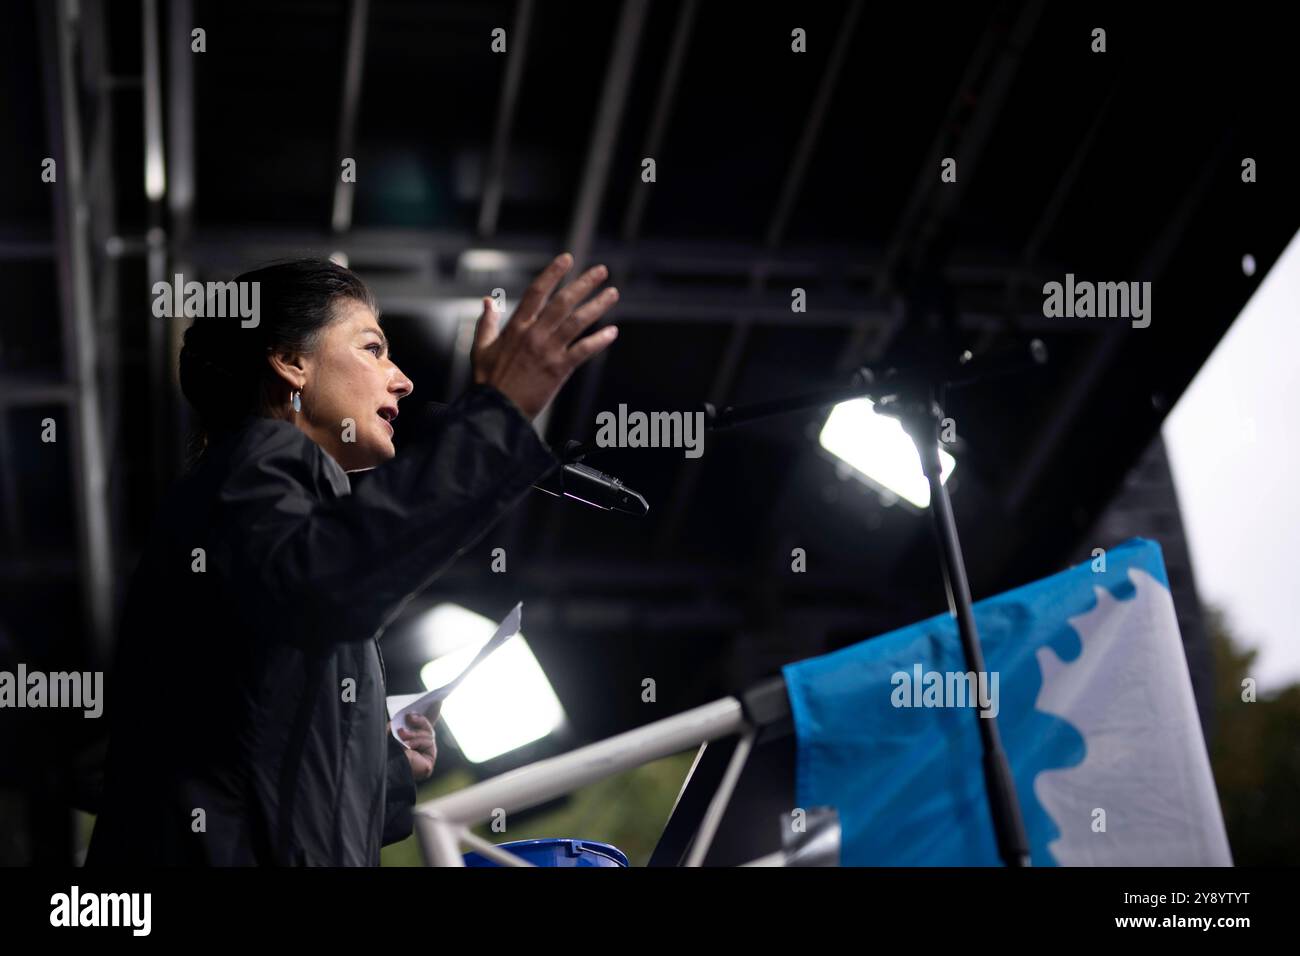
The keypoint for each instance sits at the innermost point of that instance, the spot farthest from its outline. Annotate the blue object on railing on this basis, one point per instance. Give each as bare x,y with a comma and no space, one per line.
557,852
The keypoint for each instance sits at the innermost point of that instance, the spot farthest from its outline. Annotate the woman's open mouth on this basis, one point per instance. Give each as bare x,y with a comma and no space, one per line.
387,414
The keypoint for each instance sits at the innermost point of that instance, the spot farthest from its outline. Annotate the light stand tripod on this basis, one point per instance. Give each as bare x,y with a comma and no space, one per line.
913,396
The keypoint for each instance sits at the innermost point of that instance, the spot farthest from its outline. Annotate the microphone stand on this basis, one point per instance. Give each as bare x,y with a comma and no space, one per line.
914,397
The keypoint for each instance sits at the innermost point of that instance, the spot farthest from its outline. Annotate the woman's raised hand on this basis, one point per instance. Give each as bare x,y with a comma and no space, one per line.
536,353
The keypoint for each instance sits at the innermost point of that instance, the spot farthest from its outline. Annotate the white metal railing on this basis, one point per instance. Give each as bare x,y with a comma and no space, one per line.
442,824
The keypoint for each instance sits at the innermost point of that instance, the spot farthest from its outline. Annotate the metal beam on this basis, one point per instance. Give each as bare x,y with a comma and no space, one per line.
1070,399
644,303
18,390
180,120
595,173
794,180
155,158
981,92
353,71
523,255
1047,220
974,107
600,149
24,248
665,100
180,206
77,310
13,525
733,354
155,190
1056,202
495,174
101,186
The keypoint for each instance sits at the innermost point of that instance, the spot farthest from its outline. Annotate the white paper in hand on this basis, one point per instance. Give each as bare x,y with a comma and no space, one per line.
399,705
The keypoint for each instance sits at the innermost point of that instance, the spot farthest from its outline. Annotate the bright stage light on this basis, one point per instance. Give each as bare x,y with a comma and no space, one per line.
878,448
505,703
485,260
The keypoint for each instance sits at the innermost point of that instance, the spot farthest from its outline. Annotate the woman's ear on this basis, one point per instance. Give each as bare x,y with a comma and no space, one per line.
289,367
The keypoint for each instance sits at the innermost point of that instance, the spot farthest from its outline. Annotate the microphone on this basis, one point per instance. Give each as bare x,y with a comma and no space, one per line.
592,487
573,480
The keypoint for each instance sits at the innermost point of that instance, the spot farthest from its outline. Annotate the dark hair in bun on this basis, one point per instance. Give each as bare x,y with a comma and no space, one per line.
224,369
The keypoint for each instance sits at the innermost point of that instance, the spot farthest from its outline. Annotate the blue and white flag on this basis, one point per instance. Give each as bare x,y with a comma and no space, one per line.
1087,678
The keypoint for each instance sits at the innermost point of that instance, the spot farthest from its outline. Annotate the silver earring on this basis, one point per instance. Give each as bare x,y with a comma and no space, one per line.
296,400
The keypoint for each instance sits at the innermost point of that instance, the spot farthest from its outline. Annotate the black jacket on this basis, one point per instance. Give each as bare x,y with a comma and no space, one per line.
246,705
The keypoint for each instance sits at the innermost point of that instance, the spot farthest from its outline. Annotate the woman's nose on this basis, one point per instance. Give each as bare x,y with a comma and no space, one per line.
401,385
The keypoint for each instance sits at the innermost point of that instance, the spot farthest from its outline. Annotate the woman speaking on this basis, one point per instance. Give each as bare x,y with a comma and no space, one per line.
247,710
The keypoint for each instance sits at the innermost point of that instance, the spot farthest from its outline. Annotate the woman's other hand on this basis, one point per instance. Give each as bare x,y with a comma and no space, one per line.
536,353
423,747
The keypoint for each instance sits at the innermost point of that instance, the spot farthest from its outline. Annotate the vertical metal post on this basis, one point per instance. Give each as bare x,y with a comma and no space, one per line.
921,415
81,368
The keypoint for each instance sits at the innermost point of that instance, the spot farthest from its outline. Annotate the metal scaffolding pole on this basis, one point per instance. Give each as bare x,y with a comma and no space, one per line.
77,311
